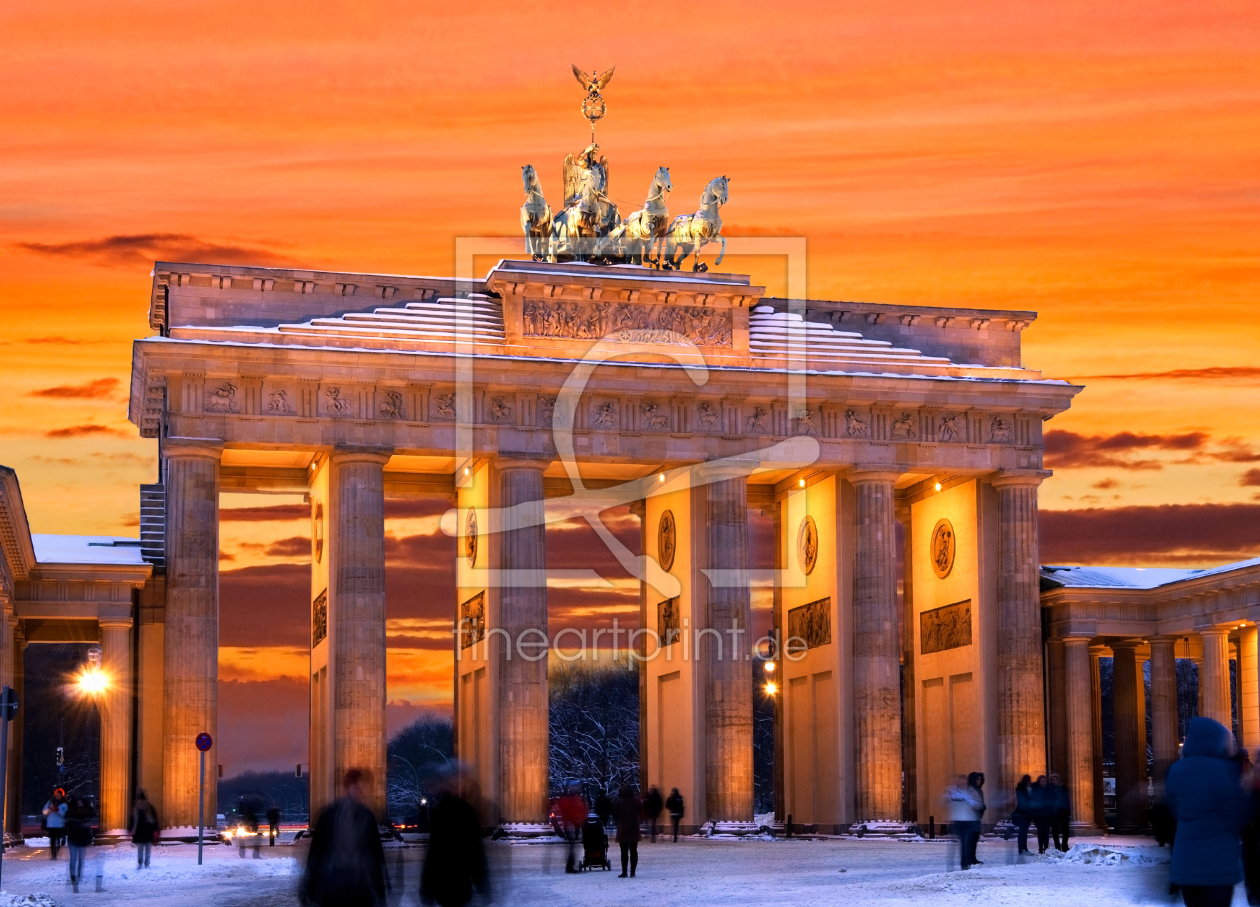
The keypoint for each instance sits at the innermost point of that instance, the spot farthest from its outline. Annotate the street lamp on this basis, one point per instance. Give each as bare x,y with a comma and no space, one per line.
92,679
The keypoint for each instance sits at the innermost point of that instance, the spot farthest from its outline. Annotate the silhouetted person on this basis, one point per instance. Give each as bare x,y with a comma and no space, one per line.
346,865
249,818
627,809
603,808
675,806
1042,811
79,833
455,865
964,804
572,809
144,828
1022,817
273,824
55,820
1206,798
1061,818
652,807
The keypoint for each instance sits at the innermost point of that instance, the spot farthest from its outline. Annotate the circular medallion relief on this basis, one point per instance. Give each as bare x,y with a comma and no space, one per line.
667,540
317,530
807,545
470,536
942,551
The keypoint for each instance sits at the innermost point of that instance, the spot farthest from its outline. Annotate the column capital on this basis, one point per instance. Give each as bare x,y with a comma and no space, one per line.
114,623
1077,641
343,455
506,460
873,475
1215,630
1127,644
727,469
192,448
1013,478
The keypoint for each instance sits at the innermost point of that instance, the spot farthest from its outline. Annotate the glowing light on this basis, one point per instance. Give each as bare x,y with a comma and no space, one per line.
93,682
466,470
938,486
802,483
772,688
662,477
769,666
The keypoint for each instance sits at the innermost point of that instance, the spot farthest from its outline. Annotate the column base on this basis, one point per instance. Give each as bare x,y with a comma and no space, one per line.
883,828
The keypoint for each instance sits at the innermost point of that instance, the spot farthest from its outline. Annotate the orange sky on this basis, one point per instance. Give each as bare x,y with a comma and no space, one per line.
1095,162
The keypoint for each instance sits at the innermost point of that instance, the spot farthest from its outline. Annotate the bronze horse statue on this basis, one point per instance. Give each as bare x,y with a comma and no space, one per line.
535,215
689,233
632,241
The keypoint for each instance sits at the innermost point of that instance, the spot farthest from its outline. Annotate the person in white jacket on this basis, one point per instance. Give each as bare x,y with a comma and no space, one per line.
964,804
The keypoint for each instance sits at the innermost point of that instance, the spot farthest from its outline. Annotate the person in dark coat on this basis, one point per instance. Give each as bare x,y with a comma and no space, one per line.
603,808
652,806
55,820
674,805
346,864
144,828
1206,798
1061,819
455,866
79,834
273,824
626,809
1022,816
1042,811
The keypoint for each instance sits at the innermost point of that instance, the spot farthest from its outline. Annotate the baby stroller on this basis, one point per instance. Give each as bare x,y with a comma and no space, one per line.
594,845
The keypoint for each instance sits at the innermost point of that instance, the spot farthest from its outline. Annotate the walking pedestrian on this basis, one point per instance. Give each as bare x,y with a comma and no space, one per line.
964,804
652,806
572,810
55,820
627,809
1061,818
1211,808
273,824
79,834
674,803
346,864
1022,817
1042,811
455,866
249,818
144,828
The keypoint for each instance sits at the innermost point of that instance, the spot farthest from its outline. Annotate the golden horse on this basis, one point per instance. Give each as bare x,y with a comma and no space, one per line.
632,241
535,215
689,233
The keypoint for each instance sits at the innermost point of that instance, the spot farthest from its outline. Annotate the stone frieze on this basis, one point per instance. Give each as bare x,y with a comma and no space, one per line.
667,324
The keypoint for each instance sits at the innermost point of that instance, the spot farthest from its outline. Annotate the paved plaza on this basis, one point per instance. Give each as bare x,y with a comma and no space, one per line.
733,873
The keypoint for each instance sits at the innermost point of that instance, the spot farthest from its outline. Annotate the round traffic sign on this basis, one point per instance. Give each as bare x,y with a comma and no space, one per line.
204,742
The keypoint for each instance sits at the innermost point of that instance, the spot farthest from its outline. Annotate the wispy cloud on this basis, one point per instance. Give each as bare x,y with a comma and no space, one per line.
1218,373
1198,534
1067,449
85,431
100,389
131,249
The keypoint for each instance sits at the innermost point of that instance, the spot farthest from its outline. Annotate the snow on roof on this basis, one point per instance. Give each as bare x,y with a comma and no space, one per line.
1132,577
86,549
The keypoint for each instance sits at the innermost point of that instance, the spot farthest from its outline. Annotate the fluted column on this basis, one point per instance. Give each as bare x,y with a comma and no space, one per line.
523,736
909,737
728,718
1163,706
1057,707
357,615
1214,699
1021,695
13,804
1078,699
876,651
1095,706
1248,689
1130,791
191,651
116,723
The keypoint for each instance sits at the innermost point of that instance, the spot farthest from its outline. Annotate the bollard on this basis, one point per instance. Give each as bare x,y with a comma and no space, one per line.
931,828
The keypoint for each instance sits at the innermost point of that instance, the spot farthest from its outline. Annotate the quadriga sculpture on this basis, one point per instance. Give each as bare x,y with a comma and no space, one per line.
633,240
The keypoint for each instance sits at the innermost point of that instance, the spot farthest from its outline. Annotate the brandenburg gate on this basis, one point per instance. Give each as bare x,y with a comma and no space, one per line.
693,397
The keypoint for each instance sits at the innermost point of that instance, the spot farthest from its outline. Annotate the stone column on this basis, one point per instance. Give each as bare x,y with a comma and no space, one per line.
1248,688
1095,685
728,719
116,723
1021,694
639,509
357,615
523,735
1214,698
1057,707
1130,791
1078,700
191,657
13,806
909,686
876,651
1163,706
780,749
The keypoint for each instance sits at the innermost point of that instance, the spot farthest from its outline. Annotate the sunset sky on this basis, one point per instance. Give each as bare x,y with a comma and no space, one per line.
1096,163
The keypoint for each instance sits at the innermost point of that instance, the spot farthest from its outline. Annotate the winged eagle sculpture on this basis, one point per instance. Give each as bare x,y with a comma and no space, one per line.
596,83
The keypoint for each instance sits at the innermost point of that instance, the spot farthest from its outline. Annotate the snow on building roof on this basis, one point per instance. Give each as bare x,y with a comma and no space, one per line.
86,549
1132,577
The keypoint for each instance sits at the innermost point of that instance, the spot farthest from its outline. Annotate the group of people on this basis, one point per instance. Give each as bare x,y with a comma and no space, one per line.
72,821
1046,805
627,811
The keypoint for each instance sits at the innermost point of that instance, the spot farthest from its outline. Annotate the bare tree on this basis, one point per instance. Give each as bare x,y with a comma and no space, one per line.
415,755
594,726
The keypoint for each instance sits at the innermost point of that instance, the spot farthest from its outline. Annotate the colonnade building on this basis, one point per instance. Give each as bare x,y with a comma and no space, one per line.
544,390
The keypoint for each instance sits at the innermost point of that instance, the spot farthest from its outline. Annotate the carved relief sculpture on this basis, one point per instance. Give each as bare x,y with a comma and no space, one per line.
855,426
950,429
317,530
758,422
499,410
809,626
336,404
903,427
391,405
605,416
472,621
667,324
547,411
278,403
1000,430
667,540
805,423
655,417
943,546
470,537
707,413
807,545
319,619
668,621
222,399
445,405
947,627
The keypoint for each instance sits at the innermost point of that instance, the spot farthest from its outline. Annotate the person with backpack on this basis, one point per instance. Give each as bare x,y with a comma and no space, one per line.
674,805
80,834
145,828
55,820
652,806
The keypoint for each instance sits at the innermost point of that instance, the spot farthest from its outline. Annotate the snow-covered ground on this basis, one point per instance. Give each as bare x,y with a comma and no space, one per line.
731,873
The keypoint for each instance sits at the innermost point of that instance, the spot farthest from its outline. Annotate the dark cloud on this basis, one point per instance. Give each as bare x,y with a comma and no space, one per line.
1202,535
264,514
294,546
83,431
100,389
265,606
1250,478
1067,449
1222,373
1236,450
263,725
131,249
1106,485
